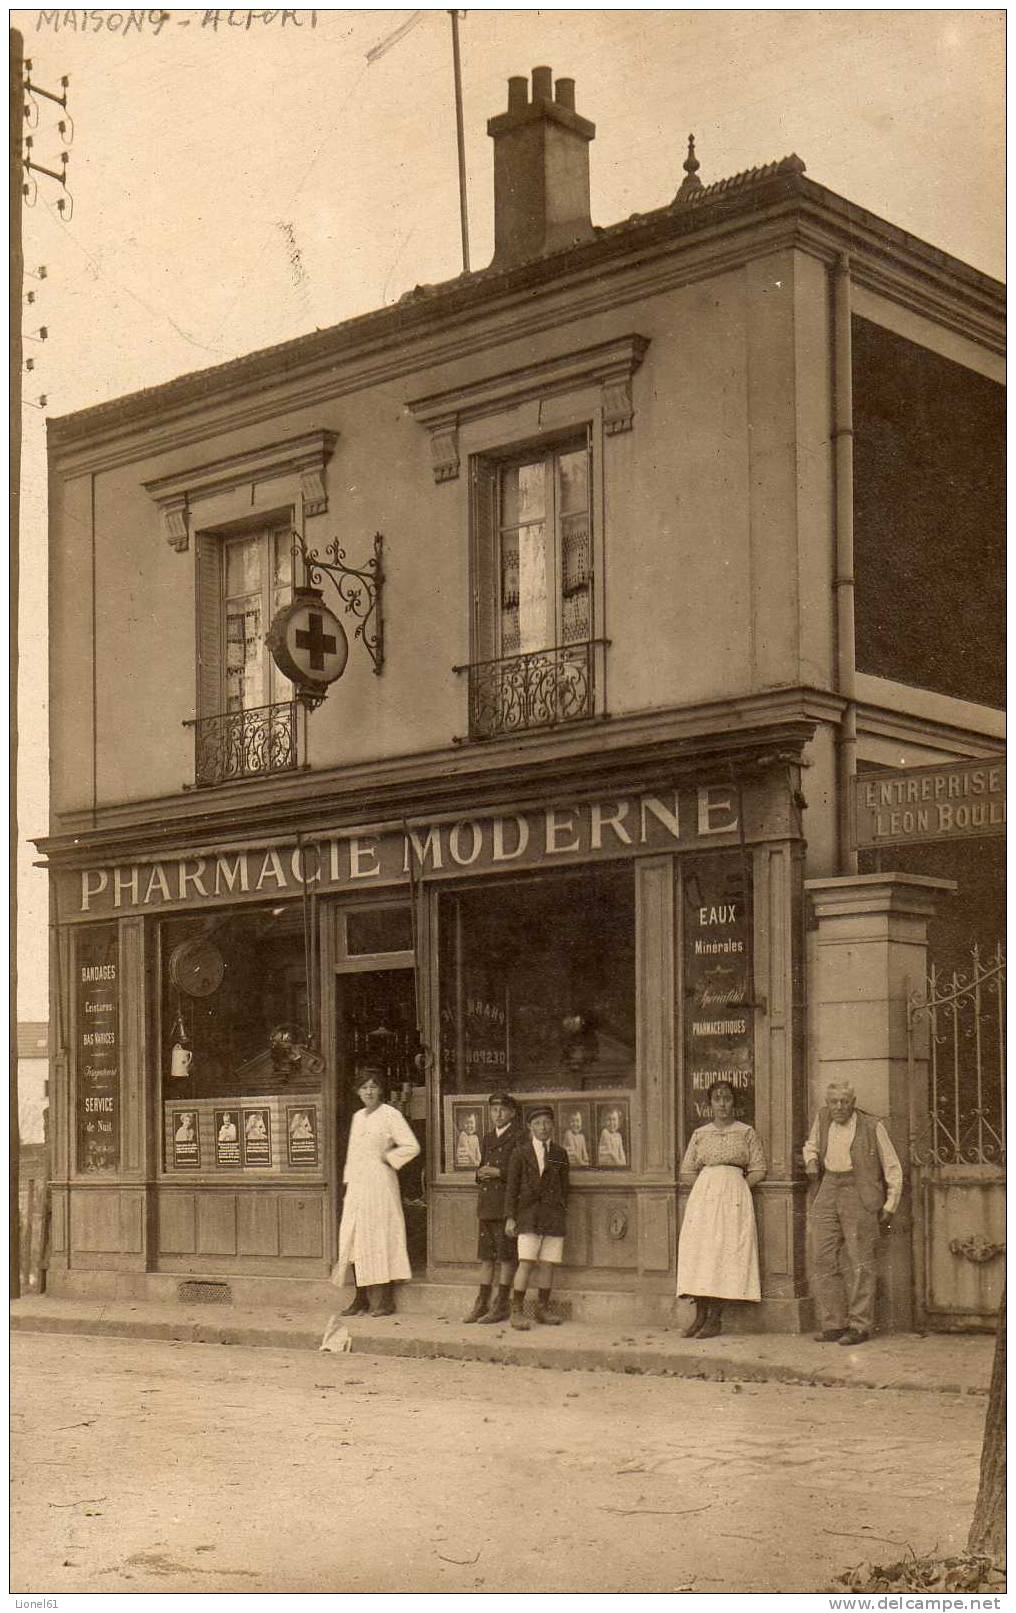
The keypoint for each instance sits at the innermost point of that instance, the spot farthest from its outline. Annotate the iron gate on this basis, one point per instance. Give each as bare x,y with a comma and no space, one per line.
956,1071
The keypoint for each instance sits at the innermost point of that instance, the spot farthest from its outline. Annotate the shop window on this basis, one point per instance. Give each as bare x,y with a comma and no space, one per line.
538,985
241,1087
533,630
246,724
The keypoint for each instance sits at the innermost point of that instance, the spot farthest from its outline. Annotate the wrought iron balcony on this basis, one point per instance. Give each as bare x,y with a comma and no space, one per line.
245,744
539,689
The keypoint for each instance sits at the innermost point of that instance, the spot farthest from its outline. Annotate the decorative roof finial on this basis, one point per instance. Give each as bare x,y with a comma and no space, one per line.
691,182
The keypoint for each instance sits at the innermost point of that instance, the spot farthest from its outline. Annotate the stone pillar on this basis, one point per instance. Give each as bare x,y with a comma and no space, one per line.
868,952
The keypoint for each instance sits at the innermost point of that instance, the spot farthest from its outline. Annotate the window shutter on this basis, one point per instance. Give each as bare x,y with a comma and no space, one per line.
484,567
209,626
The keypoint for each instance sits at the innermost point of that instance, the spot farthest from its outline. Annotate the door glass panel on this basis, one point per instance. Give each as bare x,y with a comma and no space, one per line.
378,929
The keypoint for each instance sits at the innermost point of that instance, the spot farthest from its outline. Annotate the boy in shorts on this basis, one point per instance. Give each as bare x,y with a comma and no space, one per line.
495,1250
535,1210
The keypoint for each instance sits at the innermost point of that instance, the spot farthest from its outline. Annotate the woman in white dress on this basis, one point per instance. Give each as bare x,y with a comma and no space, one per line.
717,1257
372,1232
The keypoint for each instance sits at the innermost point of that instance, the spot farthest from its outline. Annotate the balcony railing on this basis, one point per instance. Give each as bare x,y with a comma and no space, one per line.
245,744
539,689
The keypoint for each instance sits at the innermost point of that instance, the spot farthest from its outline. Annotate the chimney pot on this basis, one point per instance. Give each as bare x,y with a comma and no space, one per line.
518,93
543,84
564,93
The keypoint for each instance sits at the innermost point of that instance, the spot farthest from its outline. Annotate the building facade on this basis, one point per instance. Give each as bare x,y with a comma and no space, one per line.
640,494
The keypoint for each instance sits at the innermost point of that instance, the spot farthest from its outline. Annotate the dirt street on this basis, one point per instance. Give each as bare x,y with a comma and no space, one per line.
144,1466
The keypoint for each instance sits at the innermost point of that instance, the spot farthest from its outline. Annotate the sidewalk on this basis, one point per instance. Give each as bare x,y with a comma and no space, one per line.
954,1363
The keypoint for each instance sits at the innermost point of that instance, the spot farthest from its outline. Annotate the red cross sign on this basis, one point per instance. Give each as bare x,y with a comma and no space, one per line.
308,643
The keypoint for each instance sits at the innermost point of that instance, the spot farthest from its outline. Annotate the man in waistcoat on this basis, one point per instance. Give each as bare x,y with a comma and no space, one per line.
860,1183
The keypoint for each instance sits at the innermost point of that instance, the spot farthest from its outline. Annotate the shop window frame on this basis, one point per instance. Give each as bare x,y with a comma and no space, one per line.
442,1100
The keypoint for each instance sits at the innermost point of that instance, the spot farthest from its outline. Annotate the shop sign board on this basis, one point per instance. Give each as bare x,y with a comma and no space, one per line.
97,1037
553,836
950,801
718,1022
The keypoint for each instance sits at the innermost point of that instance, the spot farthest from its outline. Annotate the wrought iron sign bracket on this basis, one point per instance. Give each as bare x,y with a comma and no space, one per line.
359,588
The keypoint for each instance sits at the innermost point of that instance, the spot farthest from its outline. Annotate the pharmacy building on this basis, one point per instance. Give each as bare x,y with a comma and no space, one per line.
583,677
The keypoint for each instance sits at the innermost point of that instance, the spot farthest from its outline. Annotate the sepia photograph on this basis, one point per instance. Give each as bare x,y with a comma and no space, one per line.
574,1128
507,708
612,1128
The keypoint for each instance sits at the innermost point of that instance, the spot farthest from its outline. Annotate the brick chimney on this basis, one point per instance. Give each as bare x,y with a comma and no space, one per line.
541,171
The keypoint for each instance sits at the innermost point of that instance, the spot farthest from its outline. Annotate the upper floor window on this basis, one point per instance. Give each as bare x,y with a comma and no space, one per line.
544,557
246,724
533,630
257,578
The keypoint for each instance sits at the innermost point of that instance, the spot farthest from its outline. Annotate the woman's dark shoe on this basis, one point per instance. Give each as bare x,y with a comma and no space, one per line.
381,1301
480,1304
712,1324
359,1305
701,1311
830,1335
853,1335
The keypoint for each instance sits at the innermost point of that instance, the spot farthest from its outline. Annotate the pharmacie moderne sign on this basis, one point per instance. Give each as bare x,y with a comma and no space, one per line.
348,860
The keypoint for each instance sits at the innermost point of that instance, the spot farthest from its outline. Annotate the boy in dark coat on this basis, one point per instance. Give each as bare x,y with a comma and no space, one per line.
535,1210
494,1247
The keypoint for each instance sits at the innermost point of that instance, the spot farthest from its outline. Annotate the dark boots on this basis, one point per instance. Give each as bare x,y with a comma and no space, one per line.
480,1304
359,1305
381,1301
712,1325
500,1307
701,1312
518,1303
543,1313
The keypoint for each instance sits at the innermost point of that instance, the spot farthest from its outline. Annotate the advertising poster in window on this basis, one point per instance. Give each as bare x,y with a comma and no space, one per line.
97,1023
186,1144
718,1025
227,1137
257,1136
302,1134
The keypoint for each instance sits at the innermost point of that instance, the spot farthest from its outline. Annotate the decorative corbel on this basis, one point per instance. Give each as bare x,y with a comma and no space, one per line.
174,522
312,486
444,449
618,409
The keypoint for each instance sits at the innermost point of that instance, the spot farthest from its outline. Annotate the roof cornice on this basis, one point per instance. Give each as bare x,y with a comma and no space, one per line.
732,220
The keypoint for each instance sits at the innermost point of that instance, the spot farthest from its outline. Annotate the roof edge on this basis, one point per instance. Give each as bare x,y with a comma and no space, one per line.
427,305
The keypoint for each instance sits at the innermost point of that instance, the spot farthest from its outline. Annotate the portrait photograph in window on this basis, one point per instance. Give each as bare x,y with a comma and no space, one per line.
613,1131
538,983
575,1133
467,1134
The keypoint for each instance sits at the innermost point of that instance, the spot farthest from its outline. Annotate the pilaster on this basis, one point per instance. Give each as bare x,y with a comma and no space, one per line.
869,952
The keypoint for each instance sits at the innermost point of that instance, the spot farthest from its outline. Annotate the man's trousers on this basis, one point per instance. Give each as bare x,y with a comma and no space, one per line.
844,1249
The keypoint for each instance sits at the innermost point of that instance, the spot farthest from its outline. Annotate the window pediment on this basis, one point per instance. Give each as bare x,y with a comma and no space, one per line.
608,365
302,459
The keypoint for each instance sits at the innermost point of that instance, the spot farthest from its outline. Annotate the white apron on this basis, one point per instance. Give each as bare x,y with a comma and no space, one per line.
372,1232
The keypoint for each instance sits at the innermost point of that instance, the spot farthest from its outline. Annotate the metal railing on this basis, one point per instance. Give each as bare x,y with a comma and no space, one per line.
245,744
966,1028
537,689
